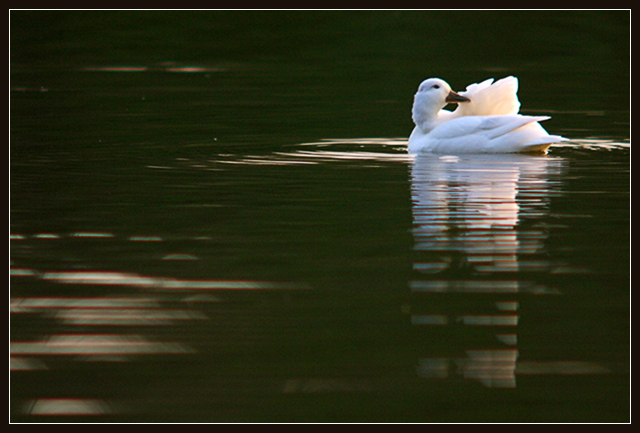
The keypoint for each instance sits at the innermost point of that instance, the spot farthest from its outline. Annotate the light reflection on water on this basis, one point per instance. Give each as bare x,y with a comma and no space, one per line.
108,329
478,238
476,215
466,210
472,205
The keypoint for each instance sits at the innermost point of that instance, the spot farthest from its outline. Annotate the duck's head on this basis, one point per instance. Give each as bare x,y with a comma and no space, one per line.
438,93
432,96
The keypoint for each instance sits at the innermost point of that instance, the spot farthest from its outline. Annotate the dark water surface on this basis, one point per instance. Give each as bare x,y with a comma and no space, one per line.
214,219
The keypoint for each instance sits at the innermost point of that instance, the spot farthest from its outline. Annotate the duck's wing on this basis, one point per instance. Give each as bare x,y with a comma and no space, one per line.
497,126
492,134
485,127
530,134
490,99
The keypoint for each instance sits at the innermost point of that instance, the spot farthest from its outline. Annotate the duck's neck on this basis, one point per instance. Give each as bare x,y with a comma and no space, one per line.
426,116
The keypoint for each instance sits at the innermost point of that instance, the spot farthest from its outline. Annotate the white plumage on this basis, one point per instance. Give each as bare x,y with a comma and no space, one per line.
485,121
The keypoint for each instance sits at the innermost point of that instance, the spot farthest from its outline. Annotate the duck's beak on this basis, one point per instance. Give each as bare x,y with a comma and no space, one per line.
456,98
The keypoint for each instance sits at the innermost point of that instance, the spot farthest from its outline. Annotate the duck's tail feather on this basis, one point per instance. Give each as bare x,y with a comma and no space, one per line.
490,99
543,143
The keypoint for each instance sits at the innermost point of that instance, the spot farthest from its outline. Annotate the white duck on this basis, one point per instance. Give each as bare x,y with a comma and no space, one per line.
486,121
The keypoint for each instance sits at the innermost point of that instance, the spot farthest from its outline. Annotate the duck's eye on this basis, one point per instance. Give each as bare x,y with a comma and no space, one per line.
435,86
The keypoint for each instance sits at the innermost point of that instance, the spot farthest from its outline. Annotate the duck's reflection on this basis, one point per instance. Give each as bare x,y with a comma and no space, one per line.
476,232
